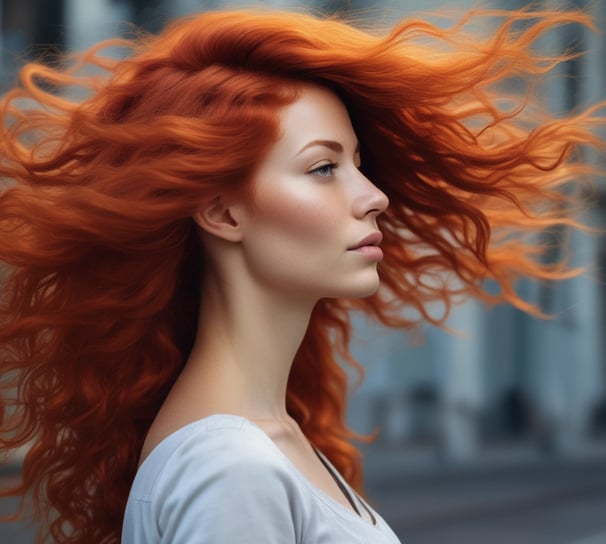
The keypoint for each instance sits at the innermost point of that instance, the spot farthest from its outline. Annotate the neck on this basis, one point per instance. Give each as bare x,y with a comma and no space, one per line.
246,342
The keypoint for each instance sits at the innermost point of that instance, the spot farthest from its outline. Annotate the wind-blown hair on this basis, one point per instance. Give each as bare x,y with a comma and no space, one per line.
99,301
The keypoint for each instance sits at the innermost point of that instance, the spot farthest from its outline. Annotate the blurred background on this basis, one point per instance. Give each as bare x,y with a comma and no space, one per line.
493,434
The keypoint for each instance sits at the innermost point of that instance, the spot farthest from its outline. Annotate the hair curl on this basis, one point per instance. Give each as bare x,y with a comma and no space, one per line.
99,303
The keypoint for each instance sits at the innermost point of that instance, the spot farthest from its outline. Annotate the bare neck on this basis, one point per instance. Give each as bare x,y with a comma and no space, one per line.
246,342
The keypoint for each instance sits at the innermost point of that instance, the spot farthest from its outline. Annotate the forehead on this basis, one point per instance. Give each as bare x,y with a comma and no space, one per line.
317,113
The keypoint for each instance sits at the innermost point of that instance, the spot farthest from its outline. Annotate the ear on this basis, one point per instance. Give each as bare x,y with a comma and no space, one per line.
220,220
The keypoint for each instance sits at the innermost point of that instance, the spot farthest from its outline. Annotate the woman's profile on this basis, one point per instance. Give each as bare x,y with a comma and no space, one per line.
184,244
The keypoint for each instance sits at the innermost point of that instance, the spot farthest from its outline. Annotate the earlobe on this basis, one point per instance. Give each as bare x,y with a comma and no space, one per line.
218,219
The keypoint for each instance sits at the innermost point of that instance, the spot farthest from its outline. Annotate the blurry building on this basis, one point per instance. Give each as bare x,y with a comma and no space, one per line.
506,377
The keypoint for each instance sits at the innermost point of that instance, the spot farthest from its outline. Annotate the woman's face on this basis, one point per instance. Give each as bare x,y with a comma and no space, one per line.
312,227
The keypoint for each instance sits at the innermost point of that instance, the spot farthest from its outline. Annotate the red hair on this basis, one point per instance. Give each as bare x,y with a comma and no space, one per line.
99,304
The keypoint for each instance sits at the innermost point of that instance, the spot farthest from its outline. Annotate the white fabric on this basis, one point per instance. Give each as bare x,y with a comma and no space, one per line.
222,480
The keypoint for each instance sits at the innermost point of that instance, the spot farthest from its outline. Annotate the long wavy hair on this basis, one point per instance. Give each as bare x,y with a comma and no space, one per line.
99,297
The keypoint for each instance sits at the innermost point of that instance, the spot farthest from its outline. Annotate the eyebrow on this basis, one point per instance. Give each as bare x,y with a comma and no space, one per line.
331,144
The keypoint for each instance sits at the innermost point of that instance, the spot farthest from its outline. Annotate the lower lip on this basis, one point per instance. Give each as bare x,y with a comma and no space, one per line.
372,252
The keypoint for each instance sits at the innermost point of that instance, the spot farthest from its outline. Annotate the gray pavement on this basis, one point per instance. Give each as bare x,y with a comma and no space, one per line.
520,498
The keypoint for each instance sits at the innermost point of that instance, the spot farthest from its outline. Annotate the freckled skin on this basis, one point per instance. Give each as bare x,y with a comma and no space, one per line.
306,214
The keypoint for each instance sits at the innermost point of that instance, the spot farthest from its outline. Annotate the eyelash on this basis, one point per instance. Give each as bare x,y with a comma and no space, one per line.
331,166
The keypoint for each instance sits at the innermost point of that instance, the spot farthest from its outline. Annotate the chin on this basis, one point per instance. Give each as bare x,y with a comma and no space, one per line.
359,289
367,292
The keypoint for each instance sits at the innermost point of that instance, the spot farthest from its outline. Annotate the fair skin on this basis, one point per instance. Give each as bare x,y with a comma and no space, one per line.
269,263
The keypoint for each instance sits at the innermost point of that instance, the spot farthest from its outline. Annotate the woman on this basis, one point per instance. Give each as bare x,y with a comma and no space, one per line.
184,246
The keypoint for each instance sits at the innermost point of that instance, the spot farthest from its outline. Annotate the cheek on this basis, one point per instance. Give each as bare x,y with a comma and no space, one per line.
301,214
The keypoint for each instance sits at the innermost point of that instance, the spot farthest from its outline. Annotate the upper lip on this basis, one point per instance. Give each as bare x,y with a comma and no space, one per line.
373,239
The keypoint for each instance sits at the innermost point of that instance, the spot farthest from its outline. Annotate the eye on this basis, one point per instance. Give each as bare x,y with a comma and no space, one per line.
325,171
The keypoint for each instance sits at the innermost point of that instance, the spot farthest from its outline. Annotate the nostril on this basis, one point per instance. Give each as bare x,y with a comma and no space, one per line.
382,202
370,199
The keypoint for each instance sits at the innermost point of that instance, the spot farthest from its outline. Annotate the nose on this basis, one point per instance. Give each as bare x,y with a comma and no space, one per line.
369,199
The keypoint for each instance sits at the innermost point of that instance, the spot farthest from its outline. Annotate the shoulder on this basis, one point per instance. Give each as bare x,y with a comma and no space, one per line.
217,448
200,475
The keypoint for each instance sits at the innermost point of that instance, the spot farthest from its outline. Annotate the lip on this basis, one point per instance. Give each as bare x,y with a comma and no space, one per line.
373,239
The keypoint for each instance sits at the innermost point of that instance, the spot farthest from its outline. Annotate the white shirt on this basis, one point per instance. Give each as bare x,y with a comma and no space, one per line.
222,480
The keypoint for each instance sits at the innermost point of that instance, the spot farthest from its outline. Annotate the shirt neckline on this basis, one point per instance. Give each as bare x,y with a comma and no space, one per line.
324,497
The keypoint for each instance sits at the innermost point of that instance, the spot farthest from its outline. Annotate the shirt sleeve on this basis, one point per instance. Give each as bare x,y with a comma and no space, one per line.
225,490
